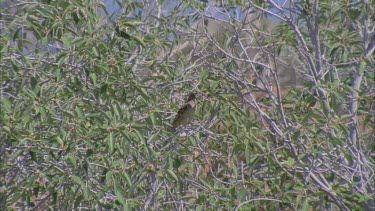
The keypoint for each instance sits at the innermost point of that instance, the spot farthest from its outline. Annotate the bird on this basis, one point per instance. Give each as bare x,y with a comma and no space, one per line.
186,113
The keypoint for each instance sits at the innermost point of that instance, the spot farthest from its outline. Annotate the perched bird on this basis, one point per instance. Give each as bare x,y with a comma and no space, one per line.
186,113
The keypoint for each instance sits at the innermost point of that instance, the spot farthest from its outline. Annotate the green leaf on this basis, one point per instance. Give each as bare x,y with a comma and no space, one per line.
305,206
153,137
290,162
71,158
95,50
59,140
119,194
78,180
122,33
152,117
86,192
298,201
6,104
34,82
204,75
78,200
172,175
139,41
127,179
133,23
111,142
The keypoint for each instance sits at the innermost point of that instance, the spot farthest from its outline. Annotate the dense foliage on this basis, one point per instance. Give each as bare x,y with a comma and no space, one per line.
285,117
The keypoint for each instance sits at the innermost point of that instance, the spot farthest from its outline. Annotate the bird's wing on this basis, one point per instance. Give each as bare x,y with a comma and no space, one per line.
181,112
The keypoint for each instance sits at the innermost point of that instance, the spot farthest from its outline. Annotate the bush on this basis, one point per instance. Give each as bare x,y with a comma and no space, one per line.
285,112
